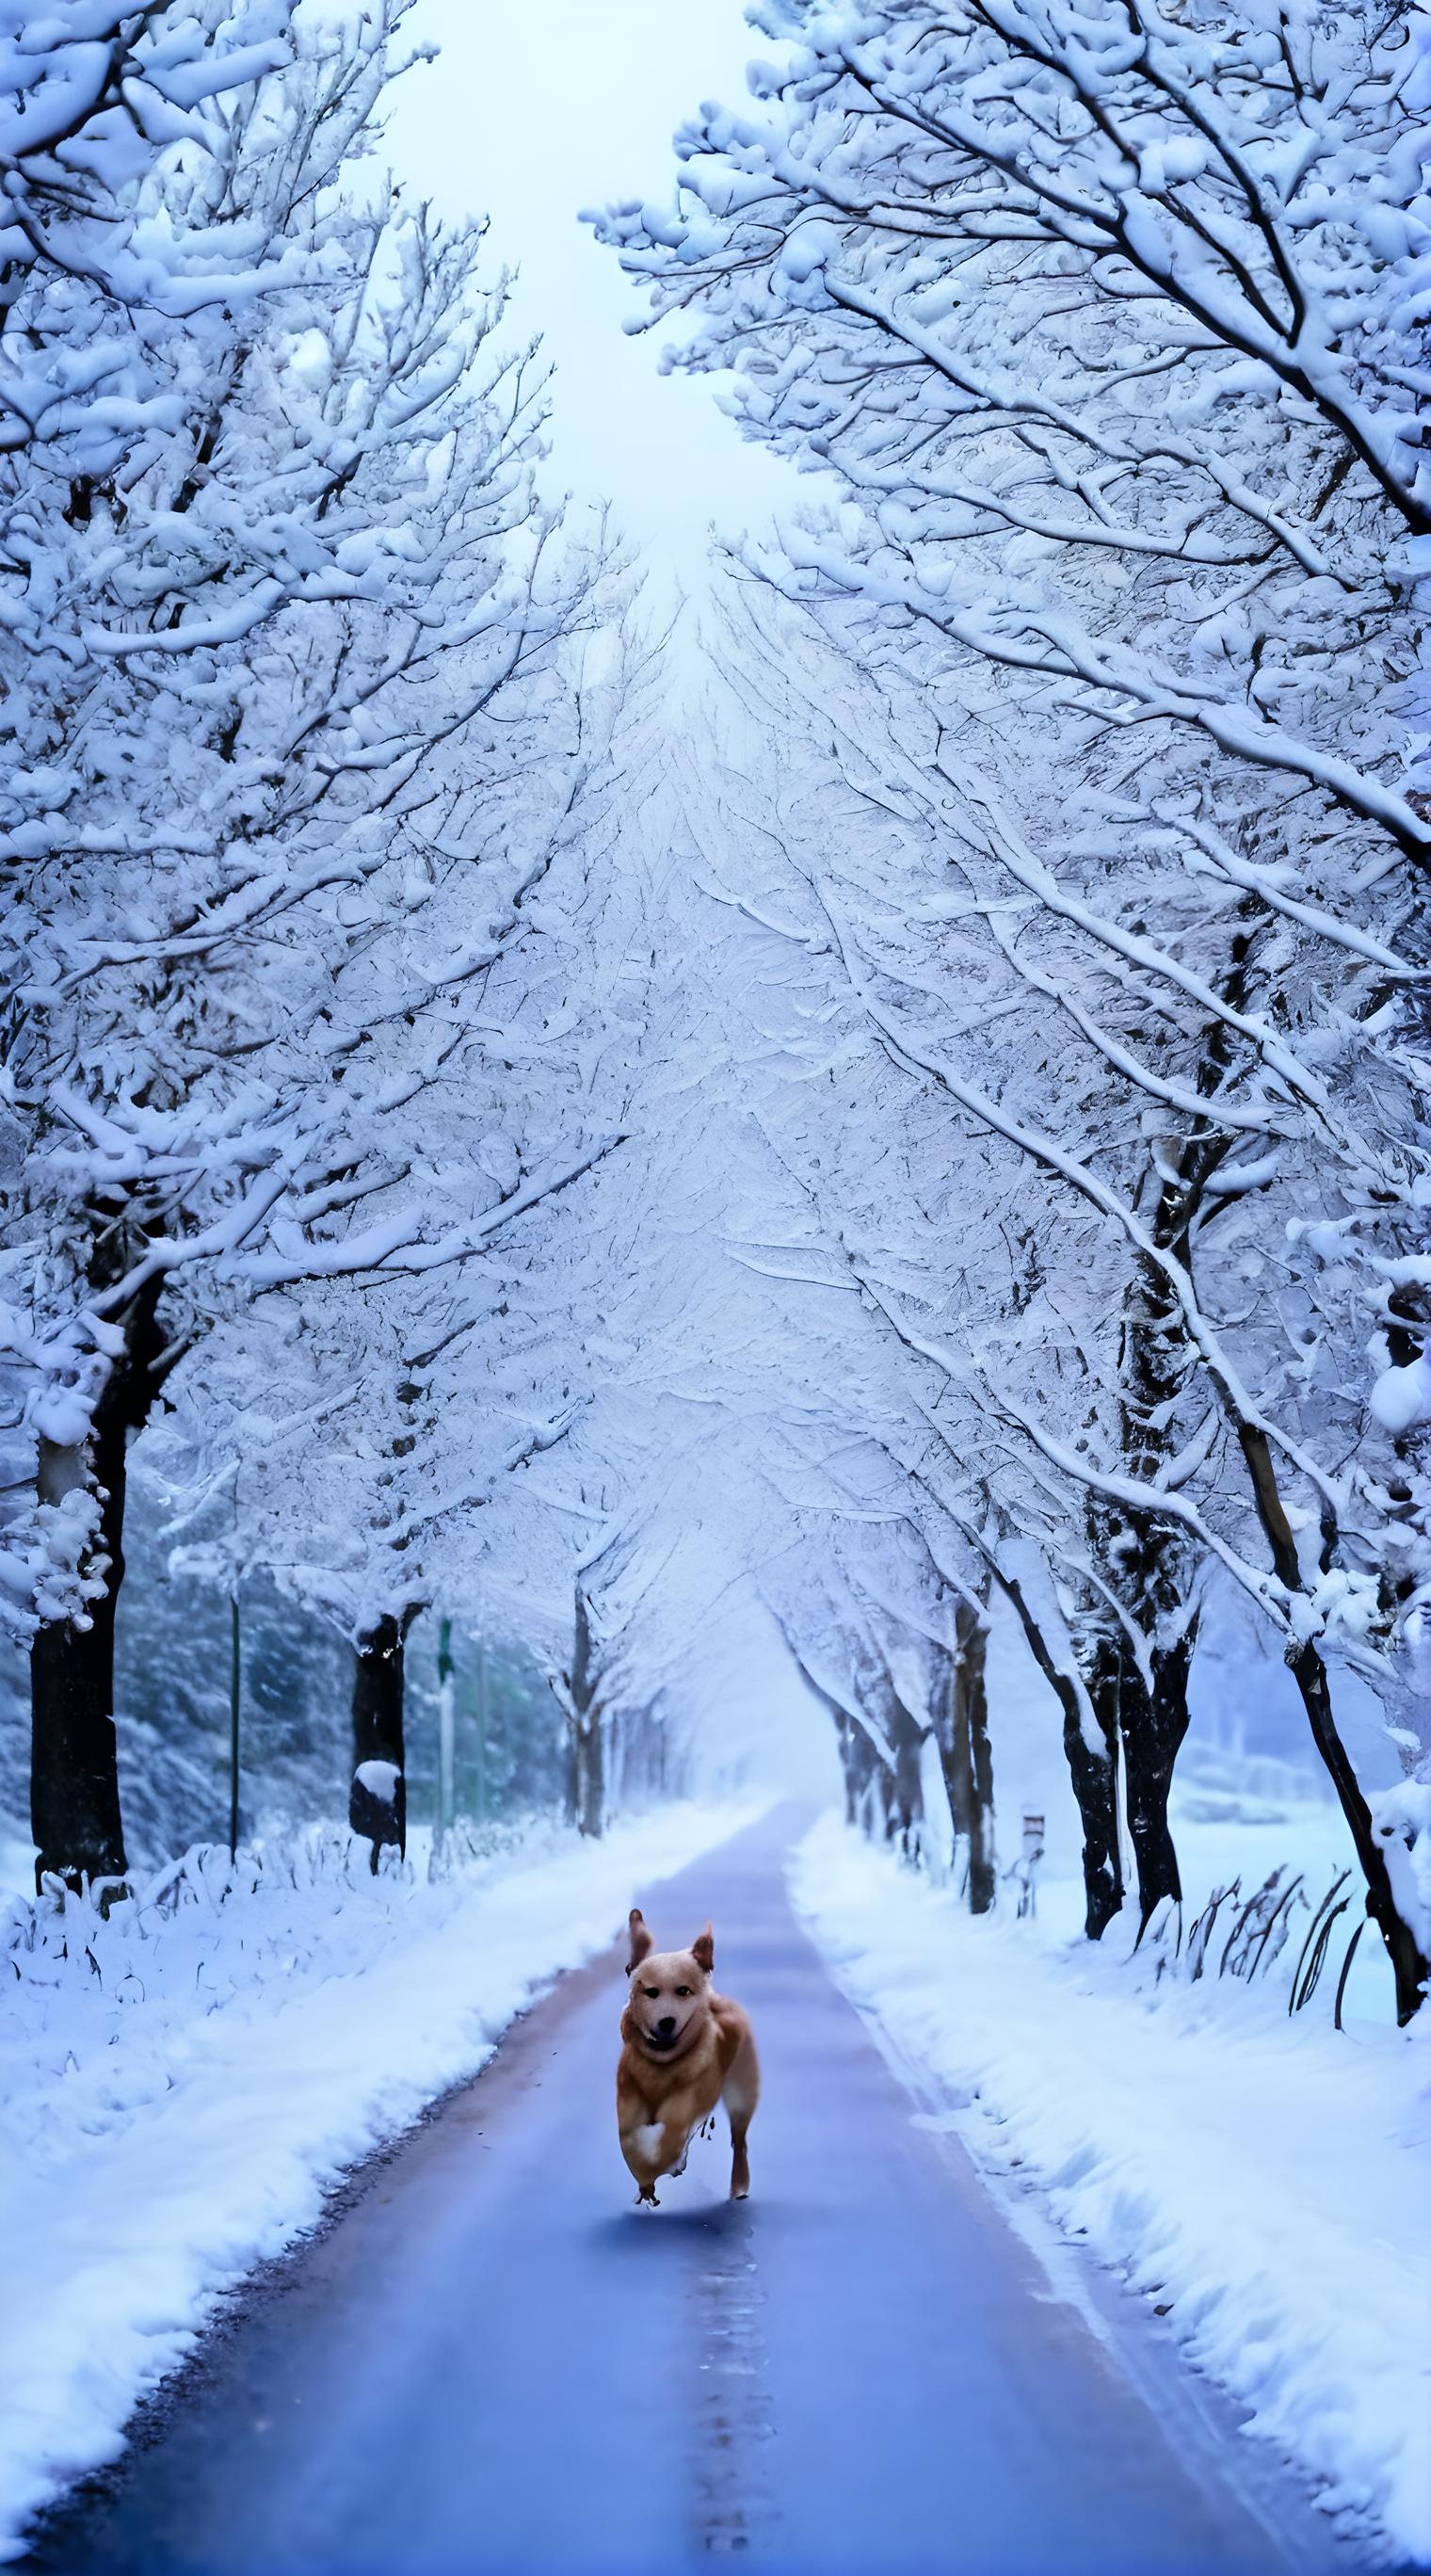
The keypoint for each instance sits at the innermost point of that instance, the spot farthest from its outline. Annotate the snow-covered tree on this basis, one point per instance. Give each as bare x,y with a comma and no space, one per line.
373,1427
1103,330
1005,1010
1121,305
90,100
288,747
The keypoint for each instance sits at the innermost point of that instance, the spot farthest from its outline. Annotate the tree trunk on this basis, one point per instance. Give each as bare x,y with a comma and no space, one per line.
74,1775
1153,1723
882,1802
1408,1967
965,1754
1094,1775
846,1729
446,1736
863,1790
572,1775
845,1733
1095,1787
588,1763
1198,1157
1149,1563
904,1792
377,1804
972,1723
590,1778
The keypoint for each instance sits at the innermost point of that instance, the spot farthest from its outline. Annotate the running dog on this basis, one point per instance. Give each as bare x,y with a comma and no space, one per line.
685,2048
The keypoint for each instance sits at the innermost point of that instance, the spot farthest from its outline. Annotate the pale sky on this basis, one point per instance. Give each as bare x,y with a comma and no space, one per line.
532,112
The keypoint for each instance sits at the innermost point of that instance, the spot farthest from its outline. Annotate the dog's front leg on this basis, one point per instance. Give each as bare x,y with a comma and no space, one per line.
653,2148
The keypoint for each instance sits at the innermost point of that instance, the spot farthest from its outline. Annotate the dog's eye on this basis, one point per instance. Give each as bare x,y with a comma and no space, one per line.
652,1993
683,1990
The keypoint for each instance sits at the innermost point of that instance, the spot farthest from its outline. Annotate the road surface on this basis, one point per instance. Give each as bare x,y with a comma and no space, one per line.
491,2364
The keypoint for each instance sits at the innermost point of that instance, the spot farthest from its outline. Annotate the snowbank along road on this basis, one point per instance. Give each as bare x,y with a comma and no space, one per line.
491,2364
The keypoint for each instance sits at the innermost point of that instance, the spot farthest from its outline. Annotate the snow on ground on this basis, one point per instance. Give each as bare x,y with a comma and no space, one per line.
1262,2177
181,2082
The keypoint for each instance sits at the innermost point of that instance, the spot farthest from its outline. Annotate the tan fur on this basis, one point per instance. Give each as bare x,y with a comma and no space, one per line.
664,2093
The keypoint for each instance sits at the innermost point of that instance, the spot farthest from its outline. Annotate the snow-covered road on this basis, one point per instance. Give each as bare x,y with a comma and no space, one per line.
491,2362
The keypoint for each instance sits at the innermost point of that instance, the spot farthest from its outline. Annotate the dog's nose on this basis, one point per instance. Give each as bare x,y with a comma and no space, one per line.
666,2027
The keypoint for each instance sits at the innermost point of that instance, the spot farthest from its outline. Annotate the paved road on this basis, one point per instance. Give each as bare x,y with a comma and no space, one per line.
492,2365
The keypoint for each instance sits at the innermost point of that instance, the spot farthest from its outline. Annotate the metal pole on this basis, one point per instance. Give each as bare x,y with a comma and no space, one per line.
235,1704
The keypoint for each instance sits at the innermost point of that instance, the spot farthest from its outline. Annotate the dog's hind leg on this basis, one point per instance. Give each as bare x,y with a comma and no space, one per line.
740,2093
739,2160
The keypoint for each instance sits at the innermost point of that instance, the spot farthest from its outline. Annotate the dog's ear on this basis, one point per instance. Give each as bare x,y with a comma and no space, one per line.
703,1950
641,1937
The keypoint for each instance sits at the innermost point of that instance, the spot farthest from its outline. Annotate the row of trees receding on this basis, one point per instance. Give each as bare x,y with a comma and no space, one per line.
312,733
1073,778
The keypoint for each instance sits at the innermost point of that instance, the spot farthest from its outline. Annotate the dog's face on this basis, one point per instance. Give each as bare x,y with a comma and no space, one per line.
668,1987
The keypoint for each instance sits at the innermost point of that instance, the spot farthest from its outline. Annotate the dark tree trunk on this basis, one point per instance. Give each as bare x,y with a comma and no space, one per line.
967,1754
845,1733
1198,1157
972,1699
590,1780
1149,1563
856,1752
882,1798
1144,1702
981,1846
904,1789
74,1777
847,1730
587,1750
884,1801
1094,1775
1095,1783
1153,1723
572,1776
865,1794
377,1807
1408,1967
